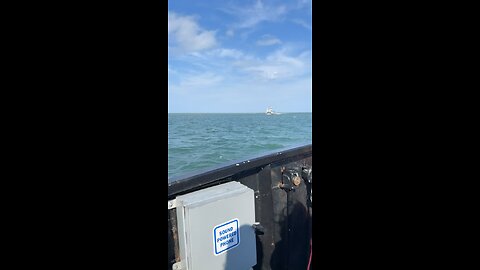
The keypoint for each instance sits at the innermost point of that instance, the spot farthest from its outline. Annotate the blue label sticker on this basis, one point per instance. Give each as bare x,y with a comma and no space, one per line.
225,236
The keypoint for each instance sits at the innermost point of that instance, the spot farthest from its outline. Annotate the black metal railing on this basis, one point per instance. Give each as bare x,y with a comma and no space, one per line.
282,184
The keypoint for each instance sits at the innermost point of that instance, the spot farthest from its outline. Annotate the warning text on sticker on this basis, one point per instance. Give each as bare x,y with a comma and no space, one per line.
226,236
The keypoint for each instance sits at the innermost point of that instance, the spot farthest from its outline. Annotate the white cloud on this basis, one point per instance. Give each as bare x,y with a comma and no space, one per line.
236,96
250,16
226,64
201,80
303,23
231,53
281,57
268,40
187,36
276,66
305,5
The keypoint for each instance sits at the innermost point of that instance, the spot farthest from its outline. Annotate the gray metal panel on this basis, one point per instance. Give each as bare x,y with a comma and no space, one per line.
203,215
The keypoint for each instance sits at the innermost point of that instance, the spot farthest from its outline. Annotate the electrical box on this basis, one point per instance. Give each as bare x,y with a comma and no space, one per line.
215,228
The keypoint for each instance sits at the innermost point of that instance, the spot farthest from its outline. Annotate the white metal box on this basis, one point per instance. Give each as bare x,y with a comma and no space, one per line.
215,228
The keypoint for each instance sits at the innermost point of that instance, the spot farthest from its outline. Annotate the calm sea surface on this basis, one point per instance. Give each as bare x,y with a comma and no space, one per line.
201,141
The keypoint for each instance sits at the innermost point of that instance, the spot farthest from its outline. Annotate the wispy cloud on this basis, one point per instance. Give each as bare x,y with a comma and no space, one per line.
304,3
268,40
231,53
230,33
293,95
186,35
303,23
218,61
229,65
252,15
278,65
201,80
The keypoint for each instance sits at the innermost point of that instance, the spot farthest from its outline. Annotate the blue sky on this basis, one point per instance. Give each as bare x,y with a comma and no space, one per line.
239,56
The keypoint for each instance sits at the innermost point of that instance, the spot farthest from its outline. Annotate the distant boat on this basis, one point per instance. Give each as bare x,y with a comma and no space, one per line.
270,111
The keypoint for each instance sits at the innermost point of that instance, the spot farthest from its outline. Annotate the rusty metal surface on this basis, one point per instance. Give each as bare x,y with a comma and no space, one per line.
173,250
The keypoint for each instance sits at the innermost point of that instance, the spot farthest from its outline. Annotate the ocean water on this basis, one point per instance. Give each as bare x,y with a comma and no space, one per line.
205,140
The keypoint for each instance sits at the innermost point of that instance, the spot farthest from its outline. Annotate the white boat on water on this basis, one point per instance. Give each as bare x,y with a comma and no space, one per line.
270,111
